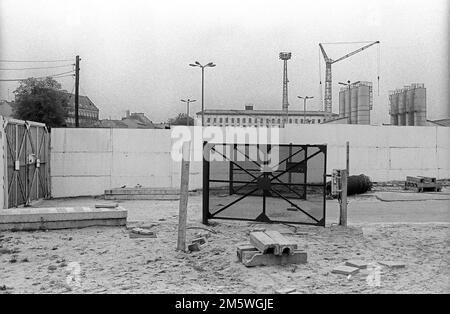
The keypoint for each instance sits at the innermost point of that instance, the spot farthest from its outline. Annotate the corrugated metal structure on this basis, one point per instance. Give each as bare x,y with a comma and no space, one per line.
355,102
407,106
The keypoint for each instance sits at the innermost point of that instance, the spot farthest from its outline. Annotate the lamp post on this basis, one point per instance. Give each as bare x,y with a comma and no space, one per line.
209,65
304,105
349,100
187,101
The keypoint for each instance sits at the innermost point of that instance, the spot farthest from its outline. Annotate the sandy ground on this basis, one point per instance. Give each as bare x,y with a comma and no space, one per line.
106,260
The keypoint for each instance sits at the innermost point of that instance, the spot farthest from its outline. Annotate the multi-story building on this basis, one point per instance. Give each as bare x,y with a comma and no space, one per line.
261,118
87,111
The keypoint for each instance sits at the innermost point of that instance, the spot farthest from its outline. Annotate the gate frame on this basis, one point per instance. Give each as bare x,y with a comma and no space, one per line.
4,142
206,214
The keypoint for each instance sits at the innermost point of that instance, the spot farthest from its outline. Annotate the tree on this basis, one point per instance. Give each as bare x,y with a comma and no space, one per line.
181,119
41,100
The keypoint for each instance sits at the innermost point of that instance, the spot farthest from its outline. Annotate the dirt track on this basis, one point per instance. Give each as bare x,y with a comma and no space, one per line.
111,262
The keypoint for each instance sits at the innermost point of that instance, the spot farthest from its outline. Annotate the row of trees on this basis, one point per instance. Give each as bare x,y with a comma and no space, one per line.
43,100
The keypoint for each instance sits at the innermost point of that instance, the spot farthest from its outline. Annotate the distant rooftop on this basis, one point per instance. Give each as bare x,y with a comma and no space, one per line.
268,112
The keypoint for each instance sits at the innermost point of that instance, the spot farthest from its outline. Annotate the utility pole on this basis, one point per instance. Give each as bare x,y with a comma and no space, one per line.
188,102
77,86
304,105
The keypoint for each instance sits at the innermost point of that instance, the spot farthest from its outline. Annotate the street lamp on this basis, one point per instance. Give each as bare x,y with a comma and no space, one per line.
304,105
188,101
209,65
349,100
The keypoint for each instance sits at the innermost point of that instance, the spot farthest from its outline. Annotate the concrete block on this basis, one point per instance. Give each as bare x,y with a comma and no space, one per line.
105,205
60,218
345,270
194,247
200,241
393,264
284,245
141,197
245,247
285,290
255,258
262,242
357,263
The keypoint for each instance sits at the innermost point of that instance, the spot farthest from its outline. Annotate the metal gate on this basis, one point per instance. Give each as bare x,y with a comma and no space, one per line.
27,155
268,183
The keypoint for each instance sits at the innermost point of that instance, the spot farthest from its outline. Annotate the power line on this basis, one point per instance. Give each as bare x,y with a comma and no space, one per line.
37,68
58,75
35,61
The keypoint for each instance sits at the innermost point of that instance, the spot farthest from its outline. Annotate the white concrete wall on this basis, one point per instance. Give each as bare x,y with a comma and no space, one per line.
88,161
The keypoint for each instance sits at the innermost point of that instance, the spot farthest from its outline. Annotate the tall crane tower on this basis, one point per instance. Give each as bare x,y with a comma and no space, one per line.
285,56
328,79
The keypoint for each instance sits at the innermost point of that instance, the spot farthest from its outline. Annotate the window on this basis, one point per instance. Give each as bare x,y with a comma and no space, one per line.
279,121
238,120
208,120
290,120
226,120
232,120
220,120
313,121
215,120
249,120
296,121
243,120
273,120
301,120
318,120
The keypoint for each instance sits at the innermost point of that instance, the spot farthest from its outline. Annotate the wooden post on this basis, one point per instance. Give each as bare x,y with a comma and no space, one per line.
347,165
184,193
343,209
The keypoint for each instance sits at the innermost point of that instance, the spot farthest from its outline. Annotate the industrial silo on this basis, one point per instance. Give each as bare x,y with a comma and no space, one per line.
342,103
393,107
354,105
364,95
420,105
409,91
401,108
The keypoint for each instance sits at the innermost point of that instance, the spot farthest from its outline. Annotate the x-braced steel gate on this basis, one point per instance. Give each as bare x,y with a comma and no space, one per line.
283,183
27,152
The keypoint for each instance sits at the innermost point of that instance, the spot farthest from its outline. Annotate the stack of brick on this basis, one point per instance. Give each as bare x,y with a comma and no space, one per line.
270,248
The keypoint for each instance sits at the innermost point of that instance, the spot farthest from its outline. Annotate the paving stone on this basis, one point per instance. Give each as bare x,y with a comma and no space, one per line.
262,242
255,258
285,291
357,263
393,264
345,270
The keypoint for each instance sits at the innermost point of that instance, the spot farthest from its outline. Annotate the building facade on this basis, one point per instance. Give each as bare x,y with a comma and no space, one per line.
87,111
261,118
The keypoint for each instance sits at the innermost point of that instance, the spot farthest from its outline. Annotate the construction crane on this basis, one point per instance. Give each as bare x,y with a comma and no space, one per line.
328,80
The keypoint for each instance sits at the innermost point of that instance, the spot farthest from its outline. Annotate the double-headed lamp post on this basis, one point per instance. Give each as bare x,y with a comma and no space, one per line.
209,65
187,101
304,105
349,99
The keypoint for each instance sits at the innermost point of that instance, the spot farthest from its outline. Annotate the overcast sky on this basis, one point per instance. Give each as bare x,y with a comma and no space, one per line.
135,54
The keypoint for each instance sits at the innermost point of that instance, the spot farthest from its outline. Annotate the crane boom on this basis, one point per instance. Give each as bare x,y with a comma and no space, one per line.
356,51
328,76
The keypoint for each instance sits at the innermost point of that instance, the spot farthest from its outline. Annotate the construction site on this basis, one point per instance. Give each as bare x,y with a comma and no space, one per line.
273,200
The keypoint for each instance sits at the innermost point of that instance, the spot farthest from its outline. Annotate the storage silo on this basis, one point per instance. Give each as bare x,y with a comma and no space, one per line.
409,91
401,108
342,103
354,105
364,95
393,107
420,105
